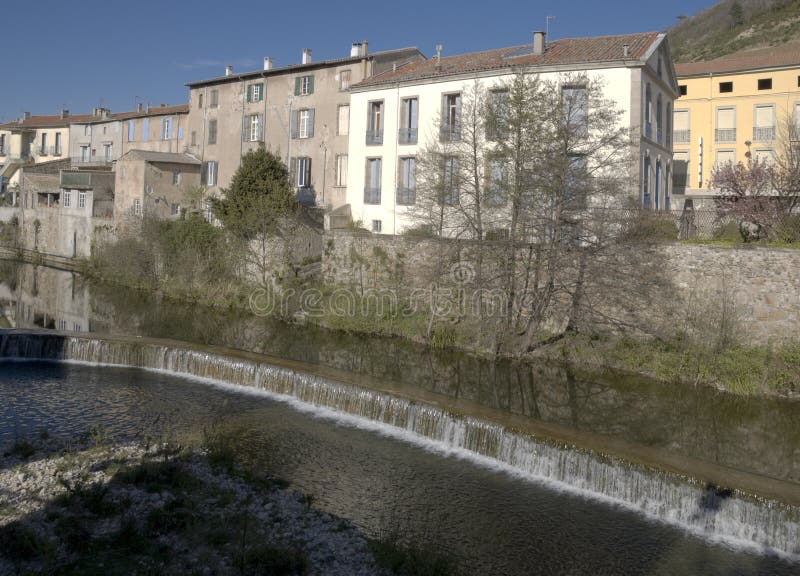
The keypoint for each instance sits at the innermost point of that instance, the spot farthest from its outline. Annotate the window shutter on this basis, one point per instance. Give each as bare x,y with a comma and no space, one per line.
311,84
293,171
297,86
261,126
245,122
293,123
261,92
414,104
310,122
203,172
308,172
250,93
180,132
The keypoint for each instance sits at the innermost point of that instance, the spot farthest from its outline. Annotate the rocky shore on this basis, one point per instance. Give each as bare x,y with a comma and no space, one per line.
132,508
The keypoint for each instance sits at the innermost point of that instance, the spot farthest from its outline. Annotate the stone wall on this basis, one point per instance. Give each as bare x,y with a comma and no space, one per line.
761,283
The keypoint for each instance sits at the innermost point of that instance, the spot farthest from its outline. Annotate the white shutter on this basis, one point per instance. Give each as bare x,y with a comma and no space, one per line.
765,116
681,120
726,118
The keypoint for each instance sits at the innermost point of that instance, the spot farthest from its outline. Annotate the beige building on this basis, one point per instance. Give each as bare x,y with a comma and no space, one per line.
153,183
301,112
32,140
730,107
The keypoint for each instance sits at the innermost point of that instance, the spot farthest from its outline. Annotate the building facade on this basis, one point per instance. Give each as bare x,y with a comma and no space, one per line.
300,112
730,107
394,114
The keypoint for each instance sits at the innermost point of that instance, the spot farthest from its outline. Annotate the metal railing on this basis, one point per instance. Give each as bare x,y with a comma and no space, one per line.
725,135
372,195
406,196
449,133
91,160
763,133
374,137
407,136
682,136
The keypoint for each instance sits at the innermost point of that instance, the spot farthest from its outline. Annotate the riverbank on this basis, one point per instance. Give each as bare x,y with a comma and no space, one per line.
91,506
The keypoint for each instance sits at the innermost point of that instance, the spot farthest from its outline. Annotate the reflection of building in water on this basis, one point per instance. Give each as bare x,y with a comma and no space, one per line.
51,298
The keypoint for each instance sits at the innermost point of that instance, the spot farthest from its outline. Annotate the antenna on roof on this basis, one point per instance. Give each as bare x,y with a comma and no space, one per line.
547,25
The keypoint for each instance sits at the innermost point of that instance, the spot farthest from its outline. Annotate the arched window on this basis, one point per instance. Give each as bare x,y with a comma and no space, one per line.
668,130
648,112
646,183
659,120
657,195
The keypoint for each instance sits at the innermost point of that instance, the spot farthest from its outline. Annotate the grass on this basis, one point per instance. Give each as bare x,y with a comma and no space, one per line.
739,369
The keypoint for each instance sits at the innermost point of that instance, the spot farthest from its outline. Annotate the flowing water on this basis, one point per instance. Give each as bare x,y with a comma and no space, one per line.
555,508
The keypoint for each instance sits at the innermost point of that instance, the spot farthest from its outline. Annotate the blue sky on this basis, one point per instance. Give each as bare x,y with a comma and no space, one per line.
114,54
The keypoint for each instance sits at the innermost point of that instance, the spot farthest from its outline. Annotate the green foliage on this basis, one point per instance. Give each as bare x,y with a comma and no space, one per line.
728,233
260,196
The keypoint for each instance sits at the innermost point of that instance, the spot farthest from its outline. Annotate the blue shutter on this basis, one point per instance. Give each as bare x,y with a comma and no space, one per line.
180,132
145,129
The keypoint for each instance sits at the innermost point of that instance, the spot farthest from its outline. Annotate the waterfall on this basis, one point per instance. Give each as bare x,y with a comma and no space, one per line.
666,496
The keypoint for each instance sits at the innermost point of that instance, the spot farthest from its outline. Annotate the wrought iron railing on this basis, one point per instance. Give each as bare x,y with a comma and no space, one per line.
407,136
449,133
406,196
682,136
725,135
763,133
374,137
372,195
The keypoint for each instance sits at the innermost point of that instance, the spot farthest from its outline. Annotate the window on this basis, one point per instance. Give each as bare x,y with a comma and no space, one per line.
764,123
574,101
105,128
200,100
210,173
175,209
725,87
2,143
497,173
166,129
67,199
450,181
43,144
212,131
726,125
646,183
213,99
137,207
648,112
343,120
176,177
497,114
130,130
86,154
304,85
87,130
194,138
306,123
108,152
450,129
372,184
376,226
680,171
765,83
341,170
57,146
253,128
255,92
208,213
682,89
724,157
375,123
303,172
683,133
764,155
409,116
406,181
344,79
145,129
81,199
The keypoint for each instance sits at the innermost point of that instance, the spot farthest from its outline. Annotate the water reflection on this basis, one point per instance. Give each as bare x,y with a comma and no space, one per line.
757,435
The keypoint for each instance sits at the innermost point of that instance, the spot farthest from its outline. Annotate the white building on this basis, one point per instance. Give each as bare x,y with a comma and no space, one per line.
395,113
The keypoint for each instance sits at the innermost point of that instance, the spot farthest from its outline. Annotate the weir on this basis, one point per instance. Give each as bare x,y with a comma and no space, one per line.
728,515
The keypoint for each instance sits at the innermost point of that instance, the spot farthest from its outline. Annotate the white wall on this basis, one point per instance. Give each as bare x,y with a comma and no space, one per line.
394,219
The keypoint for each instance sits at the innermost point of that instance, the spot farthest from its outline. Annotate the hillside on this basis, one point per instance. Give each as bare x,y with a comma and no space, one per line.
735,25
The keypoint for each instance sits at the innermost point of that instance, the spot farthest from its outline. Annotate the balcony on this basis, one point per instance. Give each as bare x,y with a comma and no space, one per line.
763,133
86,180
682,136
407,136
450,133
90,161
406,196
725,135
374,137
372,195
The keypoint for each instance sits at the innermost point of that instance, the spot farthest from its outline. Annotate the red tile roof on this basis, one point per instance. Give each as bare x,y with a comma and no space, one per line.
567,51
56,121
774,57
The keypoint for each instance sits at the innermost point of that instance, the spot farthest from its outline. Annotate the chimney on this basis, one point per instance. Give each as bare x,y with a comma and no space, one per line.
228,70
64,113
355,50
139,106
538,42
364,46
267,63
625,50
439,56
25,116
306,55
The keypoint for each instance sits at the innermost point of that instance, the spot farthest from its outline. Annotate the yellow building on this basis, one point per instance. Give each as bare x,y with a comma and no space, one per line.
729,107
